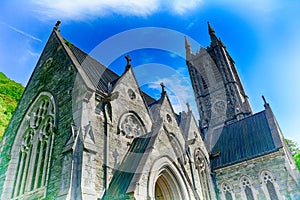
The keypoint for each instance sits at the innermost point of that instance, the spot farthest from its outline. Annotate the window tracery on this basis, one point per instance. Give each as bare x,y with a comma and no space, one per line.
131,126
246,186
227,191
268,182
37,134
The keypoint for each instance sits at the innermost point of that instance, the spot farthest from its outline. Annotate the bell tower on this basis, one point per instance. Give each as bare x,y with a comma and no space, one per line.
218,90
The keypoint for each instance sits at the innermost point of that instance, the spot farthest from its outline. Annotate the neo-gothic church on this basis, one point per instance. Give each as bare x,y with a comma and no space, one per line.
81,131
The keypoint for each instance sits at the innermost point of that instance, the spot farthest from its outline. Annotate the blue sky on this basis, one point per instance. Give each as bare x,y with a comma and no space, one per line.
261,36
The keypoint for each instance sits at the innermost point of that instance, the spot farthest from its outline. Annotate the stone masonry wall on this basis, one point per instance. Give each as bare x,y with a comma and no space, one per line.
56,77
276,163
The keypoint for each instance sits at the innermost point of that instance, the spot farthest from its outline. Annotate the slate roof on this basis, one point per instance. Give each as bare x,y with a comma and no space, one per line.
123,176
149,100
98,74
243,140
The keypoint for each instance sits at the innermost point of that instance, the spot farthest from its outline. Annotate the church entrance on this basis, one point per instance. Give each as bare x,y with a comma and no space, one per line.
166,187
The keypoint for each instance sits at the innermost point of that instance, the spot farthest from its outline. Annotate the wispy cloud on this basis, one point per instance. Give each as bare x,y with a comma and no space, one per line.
182,6
21,32
81,10
179,92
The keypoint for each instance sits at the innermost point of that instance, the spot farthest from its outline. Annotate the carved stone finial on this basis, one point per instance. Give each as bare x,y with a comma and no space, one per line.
128,59
162,88
188,106
57,25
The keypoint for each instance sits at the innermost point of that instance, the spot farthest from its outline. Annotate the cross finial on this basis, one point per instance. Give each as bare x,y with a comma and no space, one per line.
266,104
57,25
263,97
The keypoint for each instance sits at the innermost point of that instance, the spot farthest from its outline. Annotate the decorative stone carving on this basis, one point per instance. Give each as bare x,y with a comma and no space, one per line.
219,107
130,126
199,161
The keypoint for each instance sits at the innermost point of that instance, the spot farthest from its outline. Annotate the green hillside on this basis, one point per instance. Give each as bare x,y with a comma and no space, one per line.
10,94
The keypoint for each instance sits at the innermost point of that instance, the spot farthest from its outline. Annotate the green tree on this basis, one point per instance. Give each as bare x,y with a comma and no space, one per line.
297,159
295,150
10,95
292,145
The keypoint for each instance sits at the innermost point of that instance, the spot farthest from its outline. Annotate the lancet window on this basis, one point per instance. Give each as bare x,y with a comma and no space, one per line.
36,142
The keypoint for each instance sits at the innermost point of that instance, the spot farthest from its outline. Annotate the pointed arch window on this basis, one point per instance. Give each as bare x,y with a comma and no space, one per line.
33,151
227,191
268,182
201,167
247,187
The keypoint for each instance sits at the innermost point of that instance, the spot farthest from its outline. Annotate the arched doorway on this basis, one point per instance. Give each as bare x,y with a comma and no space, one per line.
166,186
165,182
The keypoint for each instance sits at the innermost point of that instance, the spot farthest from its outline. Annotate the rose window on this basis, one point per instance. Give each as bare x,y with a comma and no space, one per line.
130,126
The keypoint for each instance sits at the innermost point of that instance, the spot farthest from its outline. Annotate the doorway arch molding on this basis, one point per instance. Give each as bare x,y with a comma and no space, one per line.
165,175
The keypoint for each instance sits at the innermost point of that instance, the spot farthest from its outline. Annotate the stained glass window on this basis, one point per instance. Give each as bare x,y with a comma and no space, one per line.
37,134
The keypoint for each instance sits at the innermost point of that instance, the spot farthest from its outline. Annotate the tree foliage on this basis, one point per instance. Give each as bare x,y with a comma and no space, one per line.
297,159
10,94
292,145
295,150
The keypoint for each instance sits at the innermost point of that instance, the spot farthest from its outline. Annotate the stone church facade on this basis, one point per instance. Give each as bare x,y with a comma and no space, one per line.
81,131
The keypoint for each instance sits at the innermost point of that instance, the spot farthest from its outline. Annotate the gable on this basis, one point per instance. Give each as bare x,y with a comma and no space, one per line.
129,99
54,73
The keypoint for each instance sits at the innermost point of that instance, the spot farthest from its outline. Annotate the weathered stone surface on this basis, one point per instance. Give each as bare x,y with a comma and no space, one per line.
111,144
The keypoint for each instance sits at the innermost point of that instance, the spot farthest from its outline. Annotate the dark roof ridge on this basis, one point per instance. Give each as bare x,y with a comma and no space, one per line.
247,117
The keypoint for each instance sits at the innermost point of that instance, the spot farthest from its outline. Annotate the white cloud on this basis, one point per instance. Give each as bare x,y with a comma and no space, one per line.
182,6
179,92
81,10
21,32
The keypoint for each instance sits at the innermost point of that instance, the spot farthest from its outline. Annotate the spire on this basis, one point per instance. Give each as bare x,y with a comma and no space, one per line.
187,49
210,29
222,44
212,34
